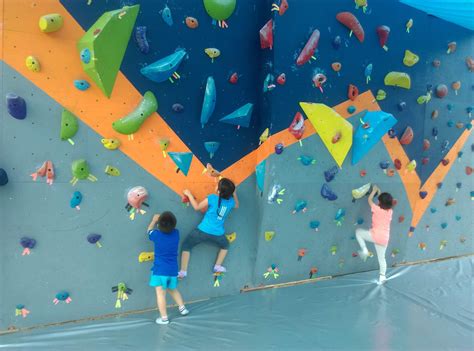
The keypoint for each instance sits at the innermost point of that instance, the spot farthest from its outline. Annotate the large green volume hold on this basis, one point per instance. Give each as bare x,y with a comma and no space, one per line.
132,122
103,46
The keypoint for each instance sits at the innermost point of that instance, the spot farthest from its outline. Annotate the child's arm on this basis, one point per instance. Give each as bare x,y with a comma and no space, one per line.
153,222
236,199
197,206
375,190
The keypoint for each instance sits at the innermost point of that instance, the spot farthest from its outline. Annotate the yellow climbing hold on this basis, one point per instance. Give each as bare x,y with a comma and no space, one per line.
50,23
334,130
381,95
263,138
231,237
398,79
410,58
269,235
111,144
146,256
33,64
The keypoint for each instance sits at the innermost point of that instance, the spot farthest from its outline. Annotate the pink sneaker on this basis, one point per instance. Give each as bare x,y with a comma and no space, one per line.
219,269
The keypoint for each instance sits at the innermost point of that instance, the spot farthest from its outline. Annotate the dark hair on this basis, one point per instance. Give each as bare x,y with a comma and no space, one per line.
385,201
167,222
226,188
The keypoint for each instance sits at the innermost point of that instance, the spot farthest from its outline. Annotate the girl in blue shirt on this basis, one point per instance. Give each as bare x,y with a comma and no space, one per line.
211,228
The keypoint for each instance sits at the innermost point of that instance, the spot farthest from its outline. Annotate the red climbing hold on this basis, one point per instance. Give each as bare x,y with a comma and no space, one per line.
234,78
352,92
441,91
398,164
425,160
351,22
401,219
283,7
445,161
426,144
336,137
281,79
407,136
363,173
468,170
383,32
266,35
309,49
297,126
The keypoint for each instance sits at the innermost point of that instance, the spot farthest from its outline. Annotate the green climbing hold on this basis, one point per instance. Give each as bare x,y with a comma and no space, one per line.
80,170
220,9
107,41
69,126
132,122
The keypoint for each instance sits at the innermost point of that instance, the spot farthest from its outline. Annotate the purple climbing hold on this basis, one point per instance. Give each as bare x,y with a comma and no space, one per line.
178,108
279,148
330,173
327,193
16,106
392,133
423,194
3,177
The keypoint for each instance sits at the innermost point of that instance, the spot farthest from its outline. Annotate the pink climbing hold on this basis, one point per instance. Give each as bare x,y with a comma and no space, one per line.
383,33
309,49
351,22
266,35
407,136
445,161
441,91
426,144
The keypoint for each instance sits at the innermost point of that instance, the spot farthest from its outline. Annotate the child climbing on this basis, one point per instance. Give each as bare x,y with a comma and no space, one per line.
162,231
379,234
211,228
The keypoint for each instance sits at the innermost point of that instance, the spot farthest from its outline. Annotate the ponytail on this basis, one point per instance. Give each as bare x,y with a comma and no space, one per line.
226,189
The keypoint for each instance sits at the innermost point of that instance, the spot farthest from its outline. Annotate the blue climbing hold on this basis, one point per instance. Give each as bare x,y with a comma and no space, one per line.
331,173
351,109
240,117
209,102
76,200
212,147
86,55
165,68
423,194
16,106
81,84
182,160
314,225
327,193
3,177
260,175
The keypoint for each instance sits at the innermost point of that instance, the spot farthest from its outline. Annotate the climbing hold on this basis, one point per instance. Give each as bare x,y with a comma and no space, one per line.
266,35
352,92
423,194
3,177
470,63
269,235
112,171
450,202
300,206
146,256
33,64
434,114
383,33
410,59
318,80
122,293
62,296
333,250
20,310
327,193
409,24
444,225
80,171
422,246
444,162
330,174
441,91
456,86
359,221
136,198
434,132
81,84
46,170
69,126
401,219
281,79
328,123
451,47
16,106
361,3
27,244
301,253
76,200
402,105
191,22
351,109
368,72
273,271
395,252
240,117
468,170
231,237
234,77
268,83
220,10
363,173
352,23
110,144
309,49
381,95
211,147
209,102
280,8
336,67
458,186
164,143
182,161
212,53
378,123
306,160
132,122
279,148
425,160
314,225
165,68
439,185
339,217
85,55
384,165
141,40
264,136
411,166
312,272
50,23
107,39
433,210
436,63
360,192
458,218
167,16
398,79
407,136
297,126
275,193
398,164
336,42
444,146
94,239
459,125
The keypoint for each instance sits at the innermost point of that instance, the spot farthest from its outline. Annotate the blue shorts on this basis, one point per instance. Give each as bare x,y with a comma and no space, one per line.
164,281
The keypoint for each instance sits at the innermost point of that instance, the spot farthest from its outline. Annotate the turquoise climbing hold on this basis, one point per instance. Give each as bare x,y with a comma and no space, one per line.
182,161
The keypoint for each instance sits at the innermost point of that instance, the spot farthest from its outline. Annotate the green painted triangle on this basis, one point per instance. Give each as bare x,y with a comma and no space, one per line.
103,46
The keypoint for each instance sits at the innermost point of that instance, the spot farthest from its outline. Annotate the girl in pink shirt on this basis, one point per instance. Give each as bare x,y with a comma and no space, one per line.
379,234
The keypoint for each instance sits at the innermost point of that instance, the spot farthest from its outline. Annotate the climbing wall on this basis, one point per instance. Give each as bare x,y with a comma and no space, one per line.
285,227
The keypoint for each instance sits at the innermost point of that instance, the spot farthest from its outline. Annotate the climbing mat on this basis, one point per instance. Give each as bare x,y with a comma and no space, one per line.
427,306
